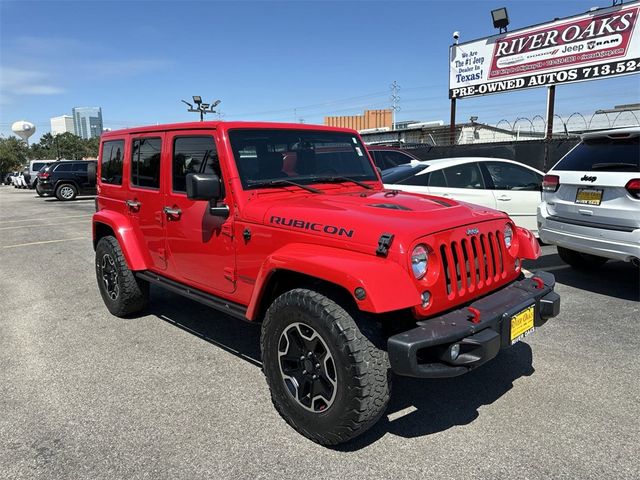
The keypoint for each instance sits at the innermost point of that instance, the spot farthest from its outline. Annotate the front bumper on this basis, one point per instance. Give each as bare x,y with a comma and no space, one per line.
425,351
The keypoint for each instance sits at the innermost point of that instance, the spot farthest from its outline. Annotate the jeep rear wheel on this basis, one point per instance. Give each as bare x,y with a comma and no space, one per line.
66,191
579,260
121,291
327,380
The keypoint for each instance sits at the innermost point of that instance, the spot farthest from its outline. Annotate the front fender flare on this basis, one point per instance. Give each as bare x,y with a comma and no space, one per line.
137,258
528,246
387,285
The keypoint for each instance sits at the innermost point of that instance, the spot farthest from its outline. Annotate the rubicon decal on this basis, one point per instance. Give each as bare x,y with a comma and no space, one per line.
311,226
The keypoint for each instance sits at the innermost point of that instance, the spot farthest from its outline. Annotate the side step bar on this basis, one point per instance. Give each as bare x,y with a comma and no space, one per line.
234,309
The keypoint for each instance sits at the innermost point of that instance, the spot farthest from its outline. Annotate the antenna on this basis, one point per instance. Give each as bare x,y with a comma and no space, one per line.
395,102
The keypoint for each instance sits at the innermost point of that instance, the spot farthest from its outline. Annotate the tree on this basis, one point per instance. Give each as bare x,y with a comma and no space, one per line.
13,153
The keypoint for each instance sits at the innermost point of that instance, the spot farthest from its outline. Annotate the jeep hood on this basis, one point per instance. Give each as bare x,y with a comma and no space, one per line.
362,216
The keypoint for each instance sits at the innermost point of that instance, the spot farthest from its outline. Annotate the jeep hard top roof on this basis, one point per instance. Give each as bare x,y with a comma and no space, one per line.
225,125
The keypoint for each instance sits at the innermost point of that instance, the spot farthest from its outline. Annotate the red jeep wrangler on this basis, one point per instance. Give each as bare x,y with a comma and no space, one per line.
289,225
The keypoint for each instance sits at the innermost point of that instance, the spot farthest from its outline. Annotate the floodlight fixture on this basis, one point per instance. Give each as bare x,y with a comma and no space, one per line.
474,119
215,104
500,18
205,106
197,99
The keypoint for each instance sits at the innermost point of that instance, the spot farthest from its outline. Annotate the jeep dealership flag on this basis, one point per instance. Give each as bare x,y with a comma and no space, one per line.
598,44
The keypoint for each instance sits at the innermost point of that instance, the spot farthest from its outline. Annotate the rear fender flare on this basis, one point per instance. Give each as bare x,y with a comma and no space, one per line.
137,258
387,285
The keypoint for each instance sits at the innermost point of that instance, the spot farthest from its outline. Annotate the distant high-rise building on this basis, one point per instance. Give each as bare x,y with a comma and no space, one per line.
87,121
62,124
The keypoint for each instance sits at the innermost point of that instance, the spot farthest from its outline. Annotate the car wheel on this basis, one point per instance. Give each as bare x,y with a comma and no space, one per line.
121,291
66,191
327,380
579,260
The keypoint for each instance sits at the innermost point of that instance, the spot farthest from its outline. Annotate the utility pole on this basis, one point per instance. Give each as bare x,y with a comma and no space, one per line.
395,102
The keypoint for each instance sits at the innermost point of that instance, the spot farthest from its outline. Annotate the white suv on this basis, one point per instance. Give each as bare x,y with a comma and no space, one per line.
591,200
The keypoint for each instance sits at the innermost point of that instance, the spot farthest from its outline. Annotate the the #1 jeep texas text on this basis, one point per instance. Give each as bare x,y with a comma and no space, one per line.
290,225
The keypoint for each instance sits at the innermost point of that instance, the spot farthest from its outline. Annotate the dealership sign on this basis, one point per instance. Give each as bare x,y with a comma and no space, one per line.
599,44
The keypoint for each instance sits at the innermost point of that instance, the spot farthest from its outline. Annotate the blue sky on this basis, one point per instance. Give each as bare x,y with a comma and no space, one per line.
278,61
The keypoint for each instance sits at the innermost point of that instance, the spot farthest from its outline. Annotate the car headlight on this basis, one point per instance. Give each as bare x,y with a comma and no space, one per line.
508,235
419,258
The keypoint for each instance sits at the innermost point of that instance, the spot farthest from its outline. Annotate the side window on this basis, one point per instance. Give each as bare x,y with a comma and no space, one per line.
37,166
111,162
193,155
507,176
436,179
145,162
64,167
466,175
393,159
80,167
419,180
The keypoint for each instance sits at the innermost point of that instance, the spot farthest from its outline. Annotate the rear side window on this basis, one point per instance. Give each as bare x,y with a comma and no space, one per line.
80,167
37,166
64,167
145,162
193,155
603,155
506,176
111,162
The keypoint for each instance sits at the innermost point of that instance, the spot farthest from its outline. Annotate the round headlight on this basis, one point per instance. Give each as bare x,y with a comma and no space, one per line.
419,261
508,235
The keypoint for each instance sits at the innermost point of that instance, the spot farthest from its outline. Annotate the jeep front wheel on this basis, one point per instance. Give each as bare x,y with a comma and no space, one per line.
121,291
327,380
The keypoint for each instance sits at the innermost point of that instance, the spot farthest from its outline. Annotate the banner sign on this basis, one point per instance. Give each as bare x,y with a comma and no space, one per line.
598,44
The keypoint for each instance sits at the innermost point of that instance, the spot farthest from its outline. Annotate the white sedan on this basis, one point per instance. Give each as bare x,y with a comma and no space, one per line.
505,185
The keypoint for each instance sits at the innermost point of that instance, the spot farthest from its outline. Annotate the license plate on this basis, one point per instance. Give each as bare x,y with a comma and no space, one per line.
522,324
589,196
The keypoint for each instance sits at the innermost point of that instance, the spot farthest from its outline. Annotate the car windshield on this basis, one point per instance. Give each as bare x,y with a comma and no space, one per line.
402,172
603,155
265,157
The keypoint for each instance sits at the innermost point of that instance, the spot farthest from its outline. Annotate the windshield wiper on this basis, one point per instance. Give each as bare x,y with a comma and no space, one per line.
281,183
335,179
604,166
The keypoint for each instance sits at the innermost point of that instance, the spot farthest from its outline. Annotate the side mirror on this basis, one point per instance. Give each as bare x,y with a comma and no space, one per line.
203,186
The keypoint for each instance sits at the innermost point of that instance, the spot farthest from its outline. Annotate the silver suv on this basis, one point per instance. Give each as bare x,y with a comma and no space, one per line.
591,200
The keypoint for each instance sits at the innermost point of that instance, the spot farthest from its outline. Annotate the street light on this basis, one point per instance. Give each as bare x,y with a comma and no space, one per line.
201,108
500,19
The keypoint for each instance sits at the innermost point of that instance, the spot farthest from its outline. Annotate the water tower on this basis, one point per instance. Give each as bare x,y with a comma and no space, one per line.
23,129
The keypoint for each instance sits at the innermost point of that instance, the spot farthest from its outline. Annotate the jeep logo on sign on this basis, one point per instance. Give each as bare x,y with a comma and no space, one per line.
473,231
587,178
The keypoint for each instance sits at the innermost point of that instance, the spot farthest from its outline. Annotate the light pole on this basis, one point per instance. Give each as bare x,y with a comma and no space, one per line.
201,108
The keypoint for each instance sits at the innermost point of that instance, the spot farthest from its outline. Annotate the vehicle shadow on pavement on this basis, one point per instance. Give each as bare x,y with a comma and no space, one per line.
77,199
614,279
418,407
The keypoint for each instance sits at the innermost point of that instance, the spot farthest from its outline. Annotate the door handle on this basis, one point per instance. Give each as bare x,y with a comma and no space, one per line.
504,198
172,212
133,205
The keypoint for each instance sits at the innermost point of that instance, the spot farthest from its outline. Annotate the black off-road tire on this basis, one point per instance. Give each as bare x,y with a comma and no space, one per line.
66,192
581,261
131,294
363,382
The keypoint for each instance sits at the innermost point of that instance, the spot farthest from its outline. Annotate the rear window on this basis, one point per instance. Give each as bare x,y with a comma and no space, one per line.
603,155
401,173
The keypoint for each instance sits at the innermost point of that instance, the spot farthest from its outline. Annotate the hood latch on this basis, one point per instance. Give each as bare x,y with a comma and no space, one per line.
384,243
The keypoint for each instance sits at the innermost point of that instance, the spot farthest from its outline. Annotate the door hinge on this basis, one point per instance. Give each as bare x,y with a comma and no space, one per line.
227,229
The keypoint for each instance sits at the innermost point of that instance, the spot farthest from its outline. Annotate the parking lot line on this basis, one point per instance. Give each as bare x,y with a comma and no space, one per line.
42,225
47,218
46,241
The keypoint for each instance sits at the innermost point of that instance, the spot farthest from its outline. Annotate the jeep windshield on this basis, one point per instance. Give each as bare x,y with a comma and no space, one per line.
281,157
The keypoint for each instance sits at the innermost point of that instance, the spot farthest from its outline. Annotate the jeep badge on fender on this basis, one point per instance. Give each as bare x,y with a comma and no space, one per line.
290,226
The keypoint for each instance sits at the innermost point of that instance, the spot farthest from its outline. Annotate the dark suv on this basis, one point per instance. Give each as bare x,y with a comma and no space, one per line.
68,179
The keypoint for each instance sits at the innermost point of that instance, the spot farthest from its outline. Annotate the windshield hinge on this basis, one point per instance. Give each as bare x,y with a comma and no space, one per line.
384,243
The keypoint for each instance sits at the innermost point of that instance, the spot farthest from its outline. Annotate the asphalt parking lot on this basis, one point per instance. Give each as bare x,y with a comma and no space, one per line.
178,392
